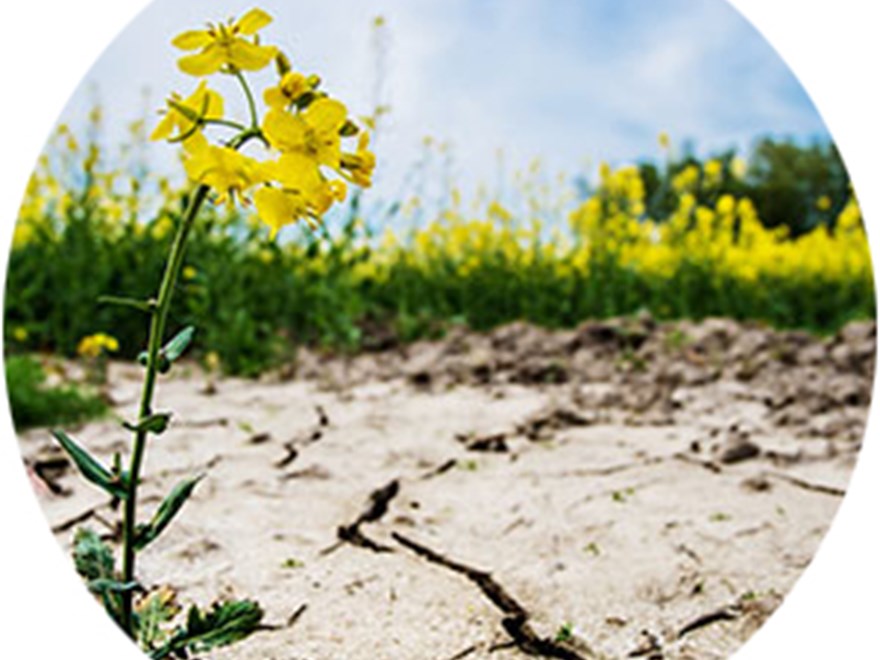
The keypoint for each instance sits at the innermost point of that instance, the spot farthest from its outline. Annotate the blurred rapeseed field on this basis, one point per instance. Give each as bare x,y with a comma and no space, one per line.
703,252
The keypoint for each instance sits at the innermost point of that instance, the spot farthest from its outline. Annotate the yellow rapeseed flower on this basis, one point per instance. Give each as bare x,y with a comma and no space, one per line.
313,133
94,345
223,45
726,205
161,228
22,234
225,170
686,180
304,193
212,361
663,140
713,171
278,208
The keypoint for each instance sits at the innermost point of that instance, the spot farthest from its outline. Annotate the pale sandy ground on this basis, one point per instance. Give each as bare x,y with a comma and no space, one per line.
657,488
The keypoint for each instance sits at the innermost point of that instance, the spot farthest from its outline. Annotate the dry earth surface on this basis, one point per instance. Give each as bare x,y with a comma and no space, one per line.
626,489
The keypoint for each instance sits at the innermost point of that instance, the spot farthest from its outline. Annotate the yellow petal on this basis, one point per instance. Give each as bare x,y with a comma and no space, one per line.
326,115
321,199
164,128
192,40
255,19
328,152
207,62
275,98
284,131
267,171
195,144
250,57
215,105
298,171
195,168
277,208
212,109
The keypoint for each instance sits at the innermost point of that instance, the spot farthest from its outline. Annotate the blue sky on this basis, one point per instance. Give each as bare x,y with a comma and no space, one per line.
572,82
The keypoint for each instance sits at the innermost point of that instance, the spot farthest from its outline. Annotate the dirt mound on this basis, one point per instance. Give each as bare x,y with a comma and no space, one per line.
643,370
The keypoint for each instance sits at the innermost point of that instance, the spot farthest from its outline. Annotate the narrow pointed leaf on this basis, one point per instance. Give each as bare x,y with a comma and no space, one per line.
90,468
175,348
141,305
155,423
166,512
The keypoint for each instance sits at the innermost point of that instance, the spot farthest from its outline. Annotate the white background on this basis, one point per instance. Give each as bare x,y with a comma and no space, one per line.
47,46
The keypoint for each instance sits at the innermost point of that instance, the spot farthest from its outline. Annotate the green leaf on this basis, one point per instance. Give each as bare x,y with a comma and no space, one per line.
169,507
155,423
92,557
175,348
224,624
107,585
95,564
91,469
146,306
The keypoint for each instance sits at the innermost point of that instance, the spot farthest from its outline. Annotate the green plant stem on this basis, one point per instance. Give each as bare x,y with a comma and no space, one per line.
252,106
225,122
158,319
157,330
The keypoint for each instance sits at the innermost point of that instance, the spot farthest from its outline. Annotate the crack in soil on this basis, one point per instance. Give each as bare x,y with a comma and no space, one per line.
807,485
443,468
728,613
378,507
291,447
516,619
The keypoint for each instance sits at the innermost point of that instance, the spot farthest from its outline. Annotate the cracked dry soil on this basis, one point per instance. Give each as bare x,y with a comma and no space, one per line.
628,489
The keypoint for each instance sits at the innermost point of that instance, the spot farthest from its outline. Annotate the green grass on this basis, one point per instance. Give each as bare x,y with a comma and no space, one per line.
33,403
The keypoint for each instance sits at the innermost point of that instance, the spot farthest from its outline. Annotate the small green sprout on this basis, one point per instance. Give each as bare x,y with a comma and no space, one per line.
565,632
469,465
592,548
